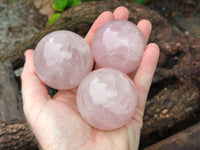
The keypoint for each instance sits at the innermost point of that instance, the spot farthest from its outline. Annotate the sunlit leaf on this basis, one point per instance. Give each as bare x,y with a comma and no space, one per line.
60,5
53,18
72,3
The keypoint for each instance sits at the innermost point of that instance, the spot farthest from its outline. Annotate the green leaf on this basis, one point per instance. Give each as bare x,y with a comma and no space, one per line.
60,5
92,0
72,3
12,0
141,2
53,18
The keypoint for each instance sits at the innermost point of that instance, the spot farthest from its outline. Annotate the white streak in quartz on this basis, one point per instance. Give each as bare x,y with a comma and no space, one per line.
124,42
56,55
99,92
108,42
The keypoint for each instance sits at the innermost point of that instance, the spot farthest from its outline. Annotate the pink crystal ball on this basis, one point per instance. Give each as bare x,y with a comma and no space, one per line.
62,59
107,99
118,44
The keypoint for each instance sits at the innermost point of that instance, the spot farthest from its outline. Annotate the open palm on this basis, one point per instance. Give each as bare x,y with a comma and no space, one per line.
56,121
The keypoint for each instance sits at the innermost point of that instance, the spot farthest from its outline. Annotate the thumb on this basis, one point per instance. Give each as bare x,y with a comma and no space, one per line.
34,91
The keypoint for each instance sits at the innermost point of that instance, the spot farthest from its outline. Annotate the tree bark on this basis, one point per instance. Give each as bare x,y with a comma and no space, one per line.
16,135
14,130
10,99
187,140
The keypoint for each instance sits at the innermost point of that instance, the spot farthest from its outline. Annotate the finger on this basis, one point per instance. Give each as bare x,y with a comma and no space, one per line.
66,94
34,91
145,72
96,66
145,26
102,19
121,12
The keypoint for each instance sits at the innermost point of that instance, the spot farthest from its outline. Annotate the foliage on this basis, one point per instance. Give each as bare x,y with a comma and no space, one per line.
60,5
92,0
12,0
140,1
53,18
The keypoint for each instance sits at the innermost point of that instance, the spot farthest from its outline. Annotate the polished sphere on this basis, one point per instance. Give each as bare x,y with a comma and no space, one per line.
118,44
62,59
107,99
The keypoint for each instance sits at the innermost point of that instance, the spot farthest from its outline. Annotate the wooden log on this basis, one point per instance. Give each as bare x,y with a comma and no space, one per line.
10,99
14,130
17,135
171,110
188,139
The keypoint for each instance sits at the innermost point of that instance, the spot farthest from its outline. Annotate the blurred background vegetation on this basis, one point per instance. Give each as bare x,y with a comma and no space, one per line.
61,5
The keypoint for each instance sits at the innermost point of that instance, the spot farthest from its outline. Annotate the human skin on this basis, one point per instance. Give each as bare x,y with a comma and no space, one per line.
56,121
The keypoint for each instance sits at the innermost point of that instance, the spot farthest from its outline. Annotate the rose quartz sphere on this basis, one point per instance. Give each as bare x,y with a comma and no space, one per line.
62,59
107,99
118,44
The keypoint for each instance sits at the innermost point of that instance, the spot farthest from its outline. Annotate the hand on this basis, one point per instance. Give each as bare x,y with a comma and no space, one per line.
56,121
